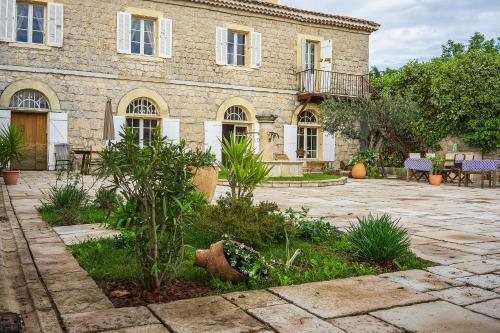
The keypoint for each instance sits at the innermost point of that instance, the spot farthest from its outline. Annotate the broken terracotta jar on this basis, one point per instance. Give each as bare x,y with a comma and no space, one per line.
216,263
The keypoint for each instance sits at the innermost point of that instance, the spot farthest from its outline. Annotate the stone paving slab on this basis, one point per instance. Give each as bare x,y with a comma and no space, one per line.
253,299
364,324
448,271
479,266
438,317
287,318
111,319
464,295
442,255
203,315
156,328
456,236
421,280
80,300
490,308
74,234
486,281
351,296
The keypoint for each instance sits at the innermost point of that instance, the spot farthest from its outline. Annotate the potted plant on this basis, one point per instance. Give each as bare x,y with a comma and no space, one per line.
205,174
301,153
436,177
12,150
230,261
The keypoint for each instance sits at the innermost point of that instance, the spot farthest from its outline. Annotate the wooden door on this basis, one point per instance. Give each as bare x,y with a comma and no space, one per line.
34,128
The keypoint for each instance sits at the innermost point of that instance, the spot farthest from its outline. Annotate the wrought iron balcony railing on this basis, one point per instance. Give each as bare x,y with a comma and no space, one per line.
314,81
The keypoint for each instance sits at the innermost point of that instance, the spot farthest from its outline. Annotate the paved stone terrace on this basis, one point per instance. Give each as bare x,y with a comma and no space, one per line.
458,228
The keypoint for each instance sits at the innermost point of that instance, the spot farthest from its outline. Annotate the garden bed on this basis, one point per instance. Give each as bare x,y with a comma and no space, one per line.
111,264
308,180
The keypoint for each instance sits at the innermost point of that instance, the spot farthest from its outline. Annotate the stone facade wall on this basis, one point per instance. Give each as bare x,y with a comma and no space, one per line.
90,46
448,145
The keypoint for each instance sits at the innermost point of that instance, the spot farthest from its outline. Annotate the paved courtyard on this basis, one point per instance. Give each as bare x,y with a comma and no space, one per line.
457,228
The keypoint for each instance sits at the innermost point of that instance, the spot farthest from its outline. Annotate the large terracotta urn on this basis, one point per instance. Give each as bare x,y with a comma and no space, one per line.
205,180
216,263
358,171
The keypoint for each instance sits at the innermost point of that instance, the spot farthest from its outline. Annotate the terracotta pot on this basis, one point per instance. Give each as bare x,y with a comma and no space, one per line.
10,176
205,180
216,263
435,180
358,171
300,154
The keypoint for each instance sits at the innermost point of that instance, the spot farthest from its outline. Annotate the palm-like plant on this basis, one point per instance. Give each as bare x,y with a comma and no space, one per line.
12,147
244,168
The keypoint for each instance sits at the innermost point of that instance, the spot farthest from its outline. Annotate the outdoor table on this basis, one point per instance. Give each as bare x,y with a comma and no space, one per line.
482,167
417,168
86,158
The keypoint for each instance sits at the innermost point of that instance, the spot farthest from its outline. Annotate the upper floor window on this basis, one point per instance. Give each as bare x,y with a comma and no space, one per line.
236,48
30,23
29,99
143,35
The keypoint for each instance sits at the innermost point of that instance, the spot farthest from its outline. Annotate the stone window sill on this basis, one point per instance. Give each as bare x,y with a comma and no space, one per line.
144,57
30,46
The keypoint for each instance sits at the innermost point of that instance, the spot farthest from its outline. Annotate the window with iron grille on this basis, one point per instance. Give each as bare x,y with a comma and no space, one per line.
235,113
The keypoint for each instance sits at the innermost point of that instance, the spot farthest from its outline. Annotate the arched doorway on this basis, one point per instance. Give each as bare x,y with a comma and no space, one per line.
29,109
236,122
143,117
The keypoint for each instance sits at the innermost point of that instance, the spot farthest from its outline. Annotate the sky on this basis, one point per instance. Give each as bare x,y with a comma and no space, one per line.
414,29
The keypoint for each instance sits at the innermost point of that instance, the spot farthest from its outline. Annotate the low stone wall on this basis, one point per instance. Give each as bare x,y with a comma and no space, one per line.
286,168
297,184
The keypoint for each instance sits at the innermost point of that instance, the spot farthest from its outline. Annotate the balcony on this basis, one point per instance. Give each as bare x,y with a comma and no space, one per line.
314,83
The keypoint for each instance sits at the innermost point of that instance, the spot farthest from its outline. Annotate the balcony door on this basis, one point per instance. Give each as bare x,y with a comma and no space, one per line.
310,59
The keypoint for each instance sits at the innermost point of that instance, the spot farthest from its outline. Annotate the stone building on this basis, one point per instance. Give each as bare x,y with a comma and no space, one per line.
198,69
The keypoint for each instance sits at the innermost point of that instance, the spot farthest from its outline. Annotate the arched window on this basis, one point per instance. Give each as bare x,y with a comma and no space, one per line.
142,117
307,135
235,113
142,106
307,117
29,99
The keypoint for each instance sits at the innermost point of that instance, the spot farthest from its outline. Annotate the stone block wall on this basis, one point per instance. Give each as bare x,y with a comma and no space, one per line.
190,82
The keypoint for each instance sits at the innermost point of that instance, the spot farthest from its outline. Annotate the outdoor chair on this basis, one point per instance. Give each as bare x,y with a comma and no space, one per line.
94,160
429,155
415,155
63,155
450,171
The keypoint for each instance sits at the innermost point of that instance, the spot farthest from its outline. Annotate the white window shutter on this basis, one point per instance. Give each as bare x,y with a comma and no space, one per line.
7,20
326,65
171,129
4,119
165,38
58,133
213,137
221,46
328,147
55,18
303,45
119,124
123,32
256,137
256,49
290,141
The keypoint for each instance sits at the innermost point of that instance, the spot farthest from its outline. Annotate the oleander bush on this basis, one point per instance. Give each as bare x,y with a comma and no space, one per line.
378,238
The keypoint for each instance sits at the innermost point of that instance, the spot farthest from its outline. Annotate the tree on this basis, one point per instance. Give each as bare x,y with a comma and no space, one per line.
390,118
457,93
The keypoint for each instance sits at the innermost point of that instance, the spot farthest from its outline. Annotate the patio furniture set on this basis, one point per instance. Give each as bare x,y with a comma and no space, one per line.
458,168
65,156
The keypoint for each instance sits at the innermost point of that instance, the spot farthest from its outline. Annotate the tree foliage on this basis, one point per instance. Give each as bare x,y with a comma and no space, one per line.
457,92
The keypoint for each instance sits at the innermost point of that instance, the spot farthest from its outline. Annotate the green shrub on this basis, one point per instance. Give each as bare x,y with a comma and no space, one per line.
311,229
257,226
67,201
379,239
107,198
156,183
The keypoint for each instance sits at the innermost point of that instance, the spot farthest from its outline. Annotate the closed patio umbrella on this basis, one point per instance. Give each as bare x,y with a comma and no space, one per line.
109,127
